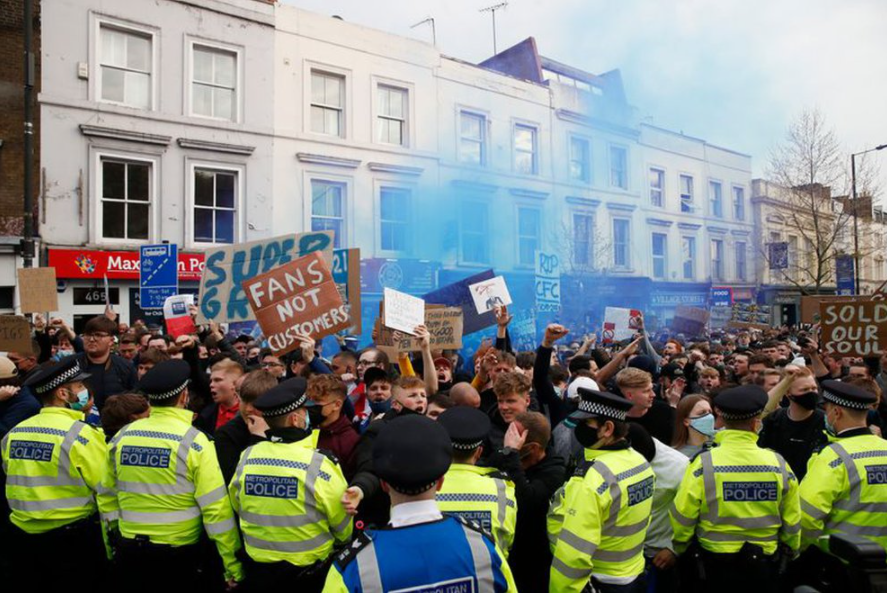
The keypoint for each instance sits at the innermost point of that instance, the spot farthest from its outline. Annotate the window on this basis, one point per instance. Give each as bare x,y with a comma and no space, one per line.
327,103
618,167
717,259
215,203
395,215
474,232
583,240
739,203
686,193
126,59
525,160
392,118
657,187
328,208
714,189
740,260
793,257
529,230
214,85
580,168
621,231
660,255
472,138
126,199
688,252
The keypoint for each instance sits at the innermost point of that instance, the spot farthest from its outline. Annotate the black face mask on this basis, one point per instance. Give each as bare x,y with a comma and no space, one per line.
806,400
586,435
315,416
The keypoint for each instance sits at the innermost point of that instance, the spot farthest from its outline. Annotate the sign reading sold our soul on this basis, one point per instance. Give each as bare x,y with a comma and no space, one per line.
853,328
297,298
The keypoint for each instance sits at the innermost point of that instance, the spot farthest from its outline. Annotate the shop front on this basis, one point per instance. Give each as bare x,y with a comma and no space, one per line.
665,297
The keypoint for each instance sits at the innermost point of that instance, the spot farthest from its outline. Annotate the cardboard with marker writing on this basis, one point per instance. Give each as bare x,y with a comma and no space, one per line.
854,328
15,334
37,290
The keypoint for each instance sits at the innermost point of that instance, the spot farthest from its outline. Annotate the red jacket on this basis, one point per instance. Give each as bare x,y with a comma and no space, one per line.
340,437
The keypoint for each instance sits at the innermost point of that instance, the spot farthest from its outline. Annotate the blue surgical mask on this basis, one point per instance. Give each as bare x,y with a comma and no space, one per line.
704,425
829,427
307,420
380,407
559,392
63,353
82,399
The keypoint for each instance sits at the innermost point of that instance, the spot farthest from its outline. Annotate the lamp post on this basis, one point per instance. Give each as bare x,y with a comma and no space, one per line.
855,210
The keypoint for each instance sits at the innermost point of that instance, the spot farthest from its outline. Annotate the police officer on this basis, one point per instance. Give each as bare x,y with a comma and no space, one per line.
423,549
57,475
482,494
598,522
170,489
845,489
739,500
287,494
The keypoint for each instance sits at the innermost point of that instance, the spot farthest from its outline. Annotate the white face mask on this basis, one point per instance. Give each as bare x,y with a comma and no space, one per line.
82,399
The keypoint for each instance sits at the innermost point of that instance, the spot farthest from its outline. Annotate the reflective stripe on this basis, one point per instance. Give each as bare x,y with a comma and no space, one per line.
569,571
784,473
620,556
288,546
577,543
717,536
239,474
680,517
502,501
160,518
852,529
155,489
212,496
811,510
791,529
311,479
64,468
49,505
341,527
750,522
710,486
615,491
220,527
112,516
368,570
36,481
292,521
627,530
480,555
860,507
182,454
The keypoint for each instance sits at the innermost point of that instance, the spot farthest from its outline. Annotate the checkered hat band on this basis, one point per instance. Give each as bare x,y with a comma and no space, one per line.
413,491
742,416
168,394
60,380
600,409
467,446
273,413
844,403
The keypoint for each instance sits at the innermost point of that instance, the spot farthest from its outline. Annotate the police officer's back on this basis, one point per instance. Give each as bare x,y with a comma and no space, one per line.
287,495
422,549
740,502
170,489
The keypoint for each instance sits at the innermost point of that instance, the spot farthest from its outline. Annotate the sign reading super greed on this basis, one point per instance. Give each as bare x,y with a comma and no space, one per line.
116,265
227,268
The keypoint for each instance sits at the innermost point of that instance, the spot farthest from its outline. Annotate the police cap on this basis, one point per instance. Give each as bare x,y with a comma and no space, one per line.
50,375
284,398
741,403
601,404
411,453
846,395
165,380
467,427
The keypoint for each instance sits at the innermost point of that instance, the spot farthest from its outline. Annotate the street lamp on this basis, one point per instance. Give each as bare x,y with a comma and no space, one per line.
855,208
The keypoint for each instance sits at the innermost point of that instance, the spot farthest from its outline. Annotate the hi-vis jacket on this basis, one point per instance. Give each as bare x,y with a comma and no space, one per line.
598,521
735,493
56,468
288,496
170,487
845,490
484,495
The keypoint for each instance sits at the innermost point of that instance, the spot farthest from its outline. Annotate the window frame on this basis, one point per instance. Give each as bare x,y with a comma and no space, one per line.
741,263
484,141
518,236
343,238
690,258
627,265
586,165
662,184
191,166
239,61
96,218
534,128
97,23
663,256
406,130
711,198
410,190
345,125
687,206
626,173
592,215
469,205
713,251
737,215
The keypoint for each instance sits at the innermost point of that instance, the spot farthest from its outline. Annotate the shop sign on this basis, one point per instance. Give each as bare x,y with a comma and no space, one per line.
117,265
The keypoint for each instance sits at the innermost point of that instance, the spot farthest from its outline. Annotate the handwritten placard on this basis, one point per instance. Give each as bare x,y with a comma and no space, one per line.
15,334
37,290
403,312
444,326
489,294
853,329
548,282
620,324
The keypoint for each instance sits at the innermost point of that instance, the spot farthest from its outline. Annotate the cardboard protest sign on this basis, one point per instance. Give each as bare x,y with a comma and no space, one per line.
299,297
403,311
747,325
854,328
457,294
689,320
37,290
346,274
720,317
522,330
443,323
620,324
177,316
810,305
227,268
548,282
488,294
15,334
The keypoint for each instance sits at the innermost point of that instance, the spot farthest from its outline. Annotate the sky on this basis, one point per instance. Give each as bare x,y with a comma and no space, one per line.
733,72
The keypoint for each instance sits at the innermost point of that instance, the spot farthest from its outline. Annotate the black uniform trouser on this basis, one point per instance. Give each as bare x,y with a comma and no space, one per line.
158,568
747,571
46,561
639,585
280,576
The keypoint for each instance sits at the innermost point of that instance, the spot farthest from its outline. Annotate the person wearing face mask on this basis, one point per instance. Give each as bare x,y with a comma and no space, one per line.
57,475
694,425
739,502
337,434
170,491
286,492
798,430
598,522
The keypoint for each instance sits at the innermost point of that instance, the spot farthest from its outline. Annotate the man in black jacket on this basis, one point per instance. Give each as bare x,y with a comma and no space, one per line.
109,374
537,475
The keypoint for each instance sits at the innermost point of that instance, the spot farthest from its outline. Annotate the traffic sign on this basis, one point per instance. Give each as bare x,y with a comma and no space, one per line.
158,274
